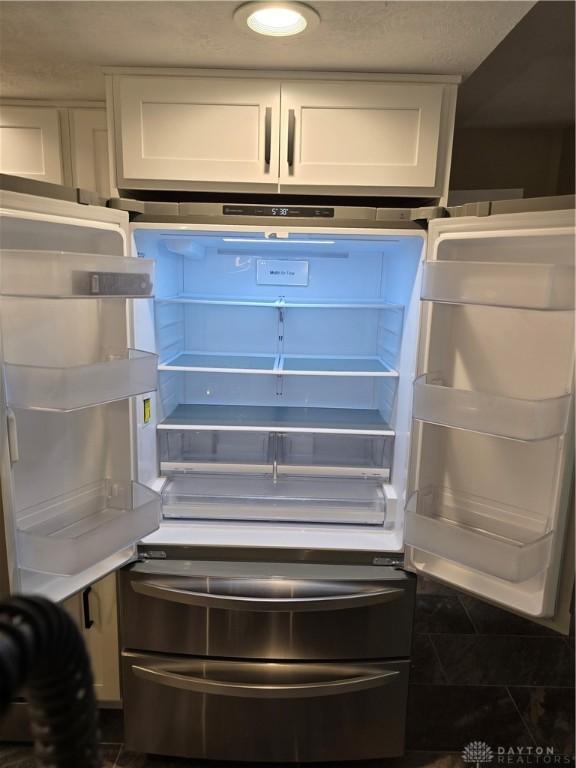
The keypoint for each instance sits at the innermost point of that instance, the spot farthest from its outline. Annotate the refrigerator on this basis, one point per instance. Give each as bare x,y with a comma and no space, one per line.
354,382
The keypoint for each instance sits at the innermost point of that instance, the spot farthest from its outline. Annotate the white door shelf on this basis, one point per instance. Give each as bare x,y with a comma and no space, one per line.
279,365
478,533
62,275
528,286
75,531
116,377
287,498
490,414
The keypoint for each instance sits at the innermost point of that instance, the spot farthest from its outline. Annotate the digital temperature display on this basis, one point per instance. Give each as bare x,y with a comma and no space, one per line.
278,211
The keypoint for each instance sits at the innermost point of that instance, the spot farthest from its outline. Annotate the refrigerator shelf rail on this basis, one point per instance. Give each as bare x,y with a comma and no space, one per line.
66,275
67,388
479,533
70,533
279,365
286,498
504,284
508,417
281,302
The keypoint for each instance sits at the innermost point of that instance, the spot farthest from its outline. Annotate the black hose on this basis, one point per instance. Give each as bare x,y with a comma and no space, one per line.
42,649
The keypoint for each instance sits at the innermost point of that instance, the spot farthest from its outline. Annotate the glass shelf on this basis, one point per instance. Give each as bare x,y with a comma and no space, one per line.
288,498
63,275
528,286
479,533
283,419
280,365
281,303
68,534
490,414
117,377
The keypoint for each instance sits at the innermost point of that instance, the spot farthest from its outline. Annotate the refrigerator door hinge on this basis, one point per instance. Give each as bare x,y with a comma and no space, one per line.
397,560
152,554
12,436
427,213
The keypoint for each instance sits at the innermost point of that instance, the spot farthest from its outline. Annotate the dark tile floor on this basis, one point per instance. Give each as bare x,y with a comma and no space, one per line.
478,674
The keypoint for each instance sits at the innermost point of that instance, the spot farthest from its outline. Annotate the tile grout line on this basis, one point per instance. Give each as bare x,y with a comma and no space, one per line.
437,657
468,614
529,732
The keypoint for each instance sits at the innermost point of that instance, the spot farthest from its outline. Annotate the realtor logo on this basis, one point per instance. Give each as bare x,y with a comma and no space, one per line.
477,752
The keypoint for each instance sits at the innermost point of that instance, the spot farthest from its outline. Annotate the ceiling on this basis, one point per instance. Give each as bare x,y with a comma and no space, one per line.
54,50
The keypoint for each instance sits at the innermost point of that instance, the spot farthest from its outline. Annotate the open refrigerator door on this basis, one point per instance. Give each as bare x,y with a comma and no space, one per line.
72,510
492,450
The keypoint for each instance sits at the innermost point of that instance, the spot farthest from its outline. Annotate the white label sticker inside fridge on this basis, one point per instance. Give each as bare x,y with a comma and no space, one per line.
281,272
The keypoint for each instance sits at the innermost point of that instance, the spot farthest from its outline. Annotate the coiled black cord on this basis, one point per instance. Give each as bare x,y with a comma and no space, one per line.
42,649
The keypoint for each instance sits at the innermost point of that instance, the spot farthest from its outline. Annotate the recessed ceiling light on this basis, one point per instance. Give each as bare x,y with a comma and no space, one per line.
277,19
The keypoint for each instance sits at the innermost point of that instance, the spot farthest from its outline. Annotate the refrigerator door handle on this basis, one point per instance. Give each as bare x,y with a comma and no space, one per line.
291,138
12,436
337,686
267,138
247,603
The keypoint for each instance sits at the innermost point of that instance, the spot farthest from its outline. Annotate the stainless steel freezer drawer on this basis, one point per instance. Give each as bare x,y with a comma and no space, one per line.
265,712
267,611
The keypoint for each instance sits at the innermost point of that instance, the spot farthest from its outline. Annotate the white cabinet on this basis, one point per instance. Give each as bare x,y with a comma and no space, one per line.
95,612
189,132
360,134
30,142
89,150
344,134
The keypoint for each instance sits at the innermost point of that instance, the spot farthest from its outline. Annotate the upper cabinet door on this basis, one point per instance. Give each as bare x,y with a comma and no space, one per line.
89,138
368,135
30,143
196,133
492,447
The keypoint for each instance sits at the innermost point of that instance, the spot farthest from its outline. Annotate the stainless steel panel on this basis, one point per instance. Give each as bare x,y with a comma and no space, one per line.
276,616
264,712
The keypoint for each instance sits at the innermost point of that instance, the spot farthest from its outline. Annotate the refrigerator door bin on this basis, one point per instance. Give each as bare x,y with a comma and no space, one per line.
284,498
62,274
530,286
518,419
72,532
273,711
58,388
477,533
284,611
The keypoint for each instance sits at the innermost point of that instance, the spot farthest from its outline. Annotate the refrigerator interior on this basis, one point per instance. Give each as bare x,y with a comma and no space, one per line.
492,406
285,374
68,493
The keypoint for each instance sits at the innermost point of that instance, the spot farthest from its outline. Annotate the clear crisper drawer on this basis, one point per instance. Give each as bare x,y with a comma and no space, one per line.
60,274
478,533
215,447
70,533
287,498
491,414
532,286
336,451
115,377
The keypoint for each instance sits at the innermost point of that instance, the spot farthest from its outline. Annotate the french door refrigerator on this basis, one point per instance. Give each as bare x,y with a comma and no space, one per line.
298,380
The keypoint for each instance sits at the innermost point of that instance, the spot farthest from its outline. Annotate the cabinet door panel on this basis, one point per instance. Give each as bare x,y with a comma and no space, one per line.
360,134
30,143
89,136
186,131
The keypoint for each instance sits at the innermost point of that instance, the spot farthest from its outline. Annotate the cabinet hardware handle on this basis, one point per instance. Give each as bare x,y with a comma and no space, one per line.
88,622
291,138
203,684
247,603
268,138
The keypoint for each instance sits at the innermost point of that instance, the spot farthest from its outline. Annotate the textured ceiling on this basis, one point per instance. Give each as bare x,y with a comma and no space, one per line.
54,50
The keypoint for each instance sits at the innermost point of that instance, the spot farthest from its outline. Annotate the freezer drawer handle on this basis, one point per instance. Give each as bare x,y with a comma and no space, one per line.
380,676
211,600
291,138
267,138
